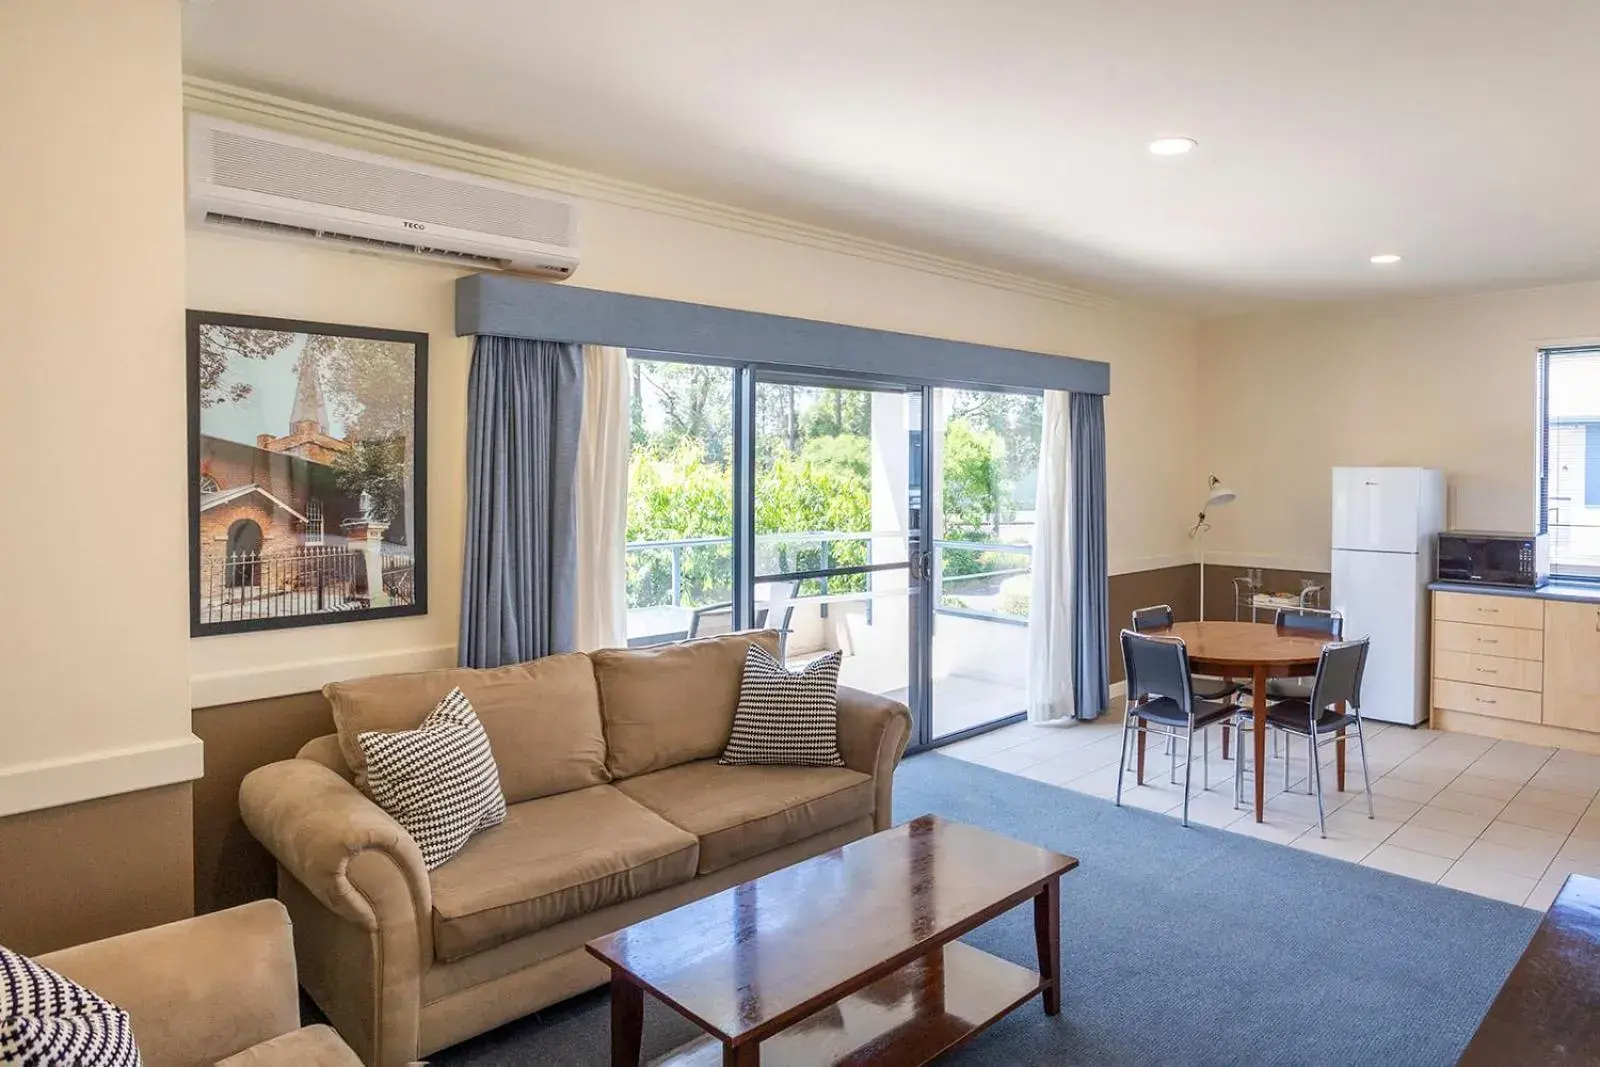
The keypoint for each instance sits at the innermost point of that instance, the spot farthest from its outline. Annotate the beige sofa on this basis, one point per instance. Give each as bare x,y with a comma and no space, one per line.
617,810
219,989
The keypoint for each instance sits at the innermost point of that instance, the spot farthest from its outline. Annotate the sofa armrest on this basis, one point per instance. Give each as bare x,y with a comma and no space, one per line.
873,734
197,990
319,826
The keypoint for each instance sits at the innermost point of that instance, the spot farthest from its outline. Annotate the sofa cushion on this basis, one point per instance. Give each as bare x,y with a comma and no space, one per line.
542,718
310,1046
46,1018
439,781
552,860
671,704
786,717
739,812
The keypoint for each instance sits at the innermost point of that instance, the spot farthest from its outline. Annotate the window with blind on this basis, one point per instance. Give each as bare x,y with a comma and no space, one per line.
1569,458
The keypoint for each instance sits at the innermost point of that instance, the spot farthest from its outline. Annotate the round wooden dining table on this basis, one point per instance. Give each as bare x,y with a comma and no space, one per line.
1257,651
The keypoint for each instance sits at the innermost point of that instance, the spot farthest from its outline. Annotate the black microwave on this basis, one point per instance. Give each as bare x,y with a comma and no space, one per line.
1483,557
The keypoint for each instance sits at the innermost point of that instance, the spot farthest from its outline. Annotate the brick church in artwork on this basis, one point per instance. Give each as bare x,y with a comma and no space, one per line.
278,497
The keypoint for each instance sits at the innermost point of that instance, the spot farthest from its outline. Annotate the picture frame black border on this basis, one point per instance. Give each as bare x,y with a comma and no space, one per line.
419,475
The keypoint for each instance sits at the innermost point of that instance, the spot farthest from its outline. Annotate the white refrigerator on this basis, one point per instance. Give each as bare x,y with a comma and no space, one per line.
1384,522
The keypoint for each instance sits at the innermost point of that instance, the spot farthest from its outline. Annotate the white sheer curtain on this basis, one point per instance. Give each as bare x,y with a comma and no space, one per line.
602,501
1050,647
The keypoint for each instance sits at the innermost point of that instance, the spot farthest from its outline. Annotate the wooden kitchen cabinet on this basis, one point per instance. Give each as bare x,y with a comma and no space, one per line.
1572,665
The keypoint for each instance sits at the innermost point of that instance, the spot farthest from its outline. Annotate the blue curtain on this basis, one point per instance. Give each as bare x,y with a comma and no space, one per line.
518,587
1090,568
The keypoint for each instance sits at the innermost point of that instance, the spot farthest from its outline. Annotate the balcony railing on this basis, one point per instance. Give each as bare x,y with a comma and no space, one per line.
945,601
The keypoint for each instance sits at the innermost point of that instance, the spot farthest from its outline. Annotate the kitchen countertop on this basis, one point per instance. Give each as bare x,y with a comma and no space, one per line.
1583,592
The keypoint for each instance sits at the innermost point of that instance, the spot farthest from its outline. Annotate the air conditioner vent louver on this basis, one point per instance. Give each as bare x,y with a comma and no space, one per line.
281,184
261,224
401,246
355,239
261,166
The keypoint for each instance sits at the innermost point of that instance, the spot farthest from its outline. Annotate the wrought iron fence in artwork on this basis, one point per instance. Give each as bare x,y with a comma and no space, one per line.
309,580
399,578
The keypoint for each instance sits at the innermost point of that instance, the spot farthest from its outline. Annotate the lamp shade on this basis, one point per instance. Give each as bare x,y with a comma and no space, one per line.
1220,495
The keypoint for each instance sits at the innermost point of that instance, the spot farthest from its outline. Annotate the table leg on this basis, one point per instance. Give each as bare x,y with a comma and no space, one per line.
1224,742
627,1021
1338,753
1047,934
745,1055
1138,745
1258,708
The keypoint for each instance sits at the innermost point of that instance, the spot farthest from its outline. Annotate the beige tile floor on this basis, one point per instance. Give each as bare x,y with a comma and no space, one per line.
1496,818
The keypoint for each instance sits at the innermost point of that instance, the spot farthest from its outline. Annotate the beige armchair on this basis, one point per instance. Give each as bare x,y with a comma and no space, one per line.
217,989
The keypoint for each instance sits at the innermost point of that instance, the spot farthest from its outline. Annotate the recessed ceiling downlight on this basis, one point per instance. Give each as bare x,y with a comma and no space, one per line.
1172,146
1385,258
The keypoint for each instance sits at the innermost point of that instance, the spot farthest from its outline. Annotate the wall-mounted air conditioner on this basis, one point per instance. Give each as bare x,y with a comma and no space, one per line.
269,182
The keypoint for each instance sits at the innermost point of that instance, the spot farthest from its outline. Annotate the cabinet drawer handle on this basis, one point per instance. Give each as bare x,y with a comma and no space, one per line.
1490,611
1487,670
1485,700
1488,640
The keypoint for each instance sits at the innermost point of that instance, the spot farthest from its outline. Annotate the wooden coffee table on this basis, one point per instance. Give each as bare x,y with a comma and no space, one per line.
847,957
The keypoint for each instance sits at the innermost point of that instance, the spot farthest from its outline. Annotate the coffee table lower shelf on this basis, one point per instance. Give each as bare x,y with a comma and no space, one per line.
909,1017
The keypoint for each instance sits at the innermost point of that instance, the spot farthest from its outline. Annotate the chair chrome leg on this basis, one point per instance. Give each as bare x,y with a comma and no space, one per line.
1122,764
1366,778
1205,761
1172,751
1188,771
1239,768
1311,751
1287,745
1316,776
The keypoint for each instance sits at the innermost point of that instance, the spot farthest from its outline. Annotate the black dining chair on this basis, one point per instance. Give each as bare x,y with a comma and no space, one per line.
1334,705
1161,698
1311,621
1159,617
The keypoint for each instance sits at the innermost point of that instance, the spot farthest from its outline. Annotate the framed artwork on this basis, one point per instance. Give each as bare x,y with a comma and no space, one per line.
307,473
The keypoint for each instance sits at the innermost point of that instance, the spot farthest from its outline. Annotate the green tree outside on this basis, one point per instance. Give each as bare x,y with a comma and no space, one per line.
813,474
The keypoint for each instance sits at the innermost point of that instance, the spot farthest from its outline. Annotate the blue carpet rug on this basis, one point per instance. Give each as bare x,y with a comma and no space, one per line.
1179,947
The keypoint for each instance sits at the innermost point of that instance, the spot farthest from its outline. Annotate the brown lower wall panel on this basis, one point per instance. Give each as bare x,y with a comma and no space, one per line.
1178,587
230,867
103,867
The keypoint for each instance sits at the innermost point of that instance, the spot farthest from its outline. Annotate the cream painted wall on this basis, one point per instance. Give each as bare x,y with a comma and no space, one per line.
1446,383
93,575
258,276
652,252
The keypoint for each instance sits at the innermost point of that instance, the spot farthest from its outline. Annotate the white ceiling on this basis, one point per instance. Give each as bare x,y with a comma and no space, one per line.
1464,134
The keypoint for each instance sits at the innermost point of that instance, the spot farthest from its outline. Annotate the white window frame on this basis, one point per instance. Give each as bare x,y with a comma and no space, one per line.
314,522
1556,535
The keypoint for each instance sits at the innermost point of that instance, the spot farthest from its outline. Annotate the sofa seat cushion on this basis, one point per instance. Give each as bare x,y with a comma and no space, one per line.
554,859
310,1046
740,812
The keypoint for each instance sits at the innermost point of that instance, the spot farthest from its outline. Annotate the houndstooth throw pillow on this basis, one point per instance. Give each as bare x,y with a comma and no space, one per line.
439,781
786,716
49,1021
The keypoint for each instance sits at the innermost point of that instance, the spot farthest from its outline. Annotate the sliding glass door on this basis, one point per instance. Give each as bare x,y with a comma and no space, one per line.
891,522
984,463
837,526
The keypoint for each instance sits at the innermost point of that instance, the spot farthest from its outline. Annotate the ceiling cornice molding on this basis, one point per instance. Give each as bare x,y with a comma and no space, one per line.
292,116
